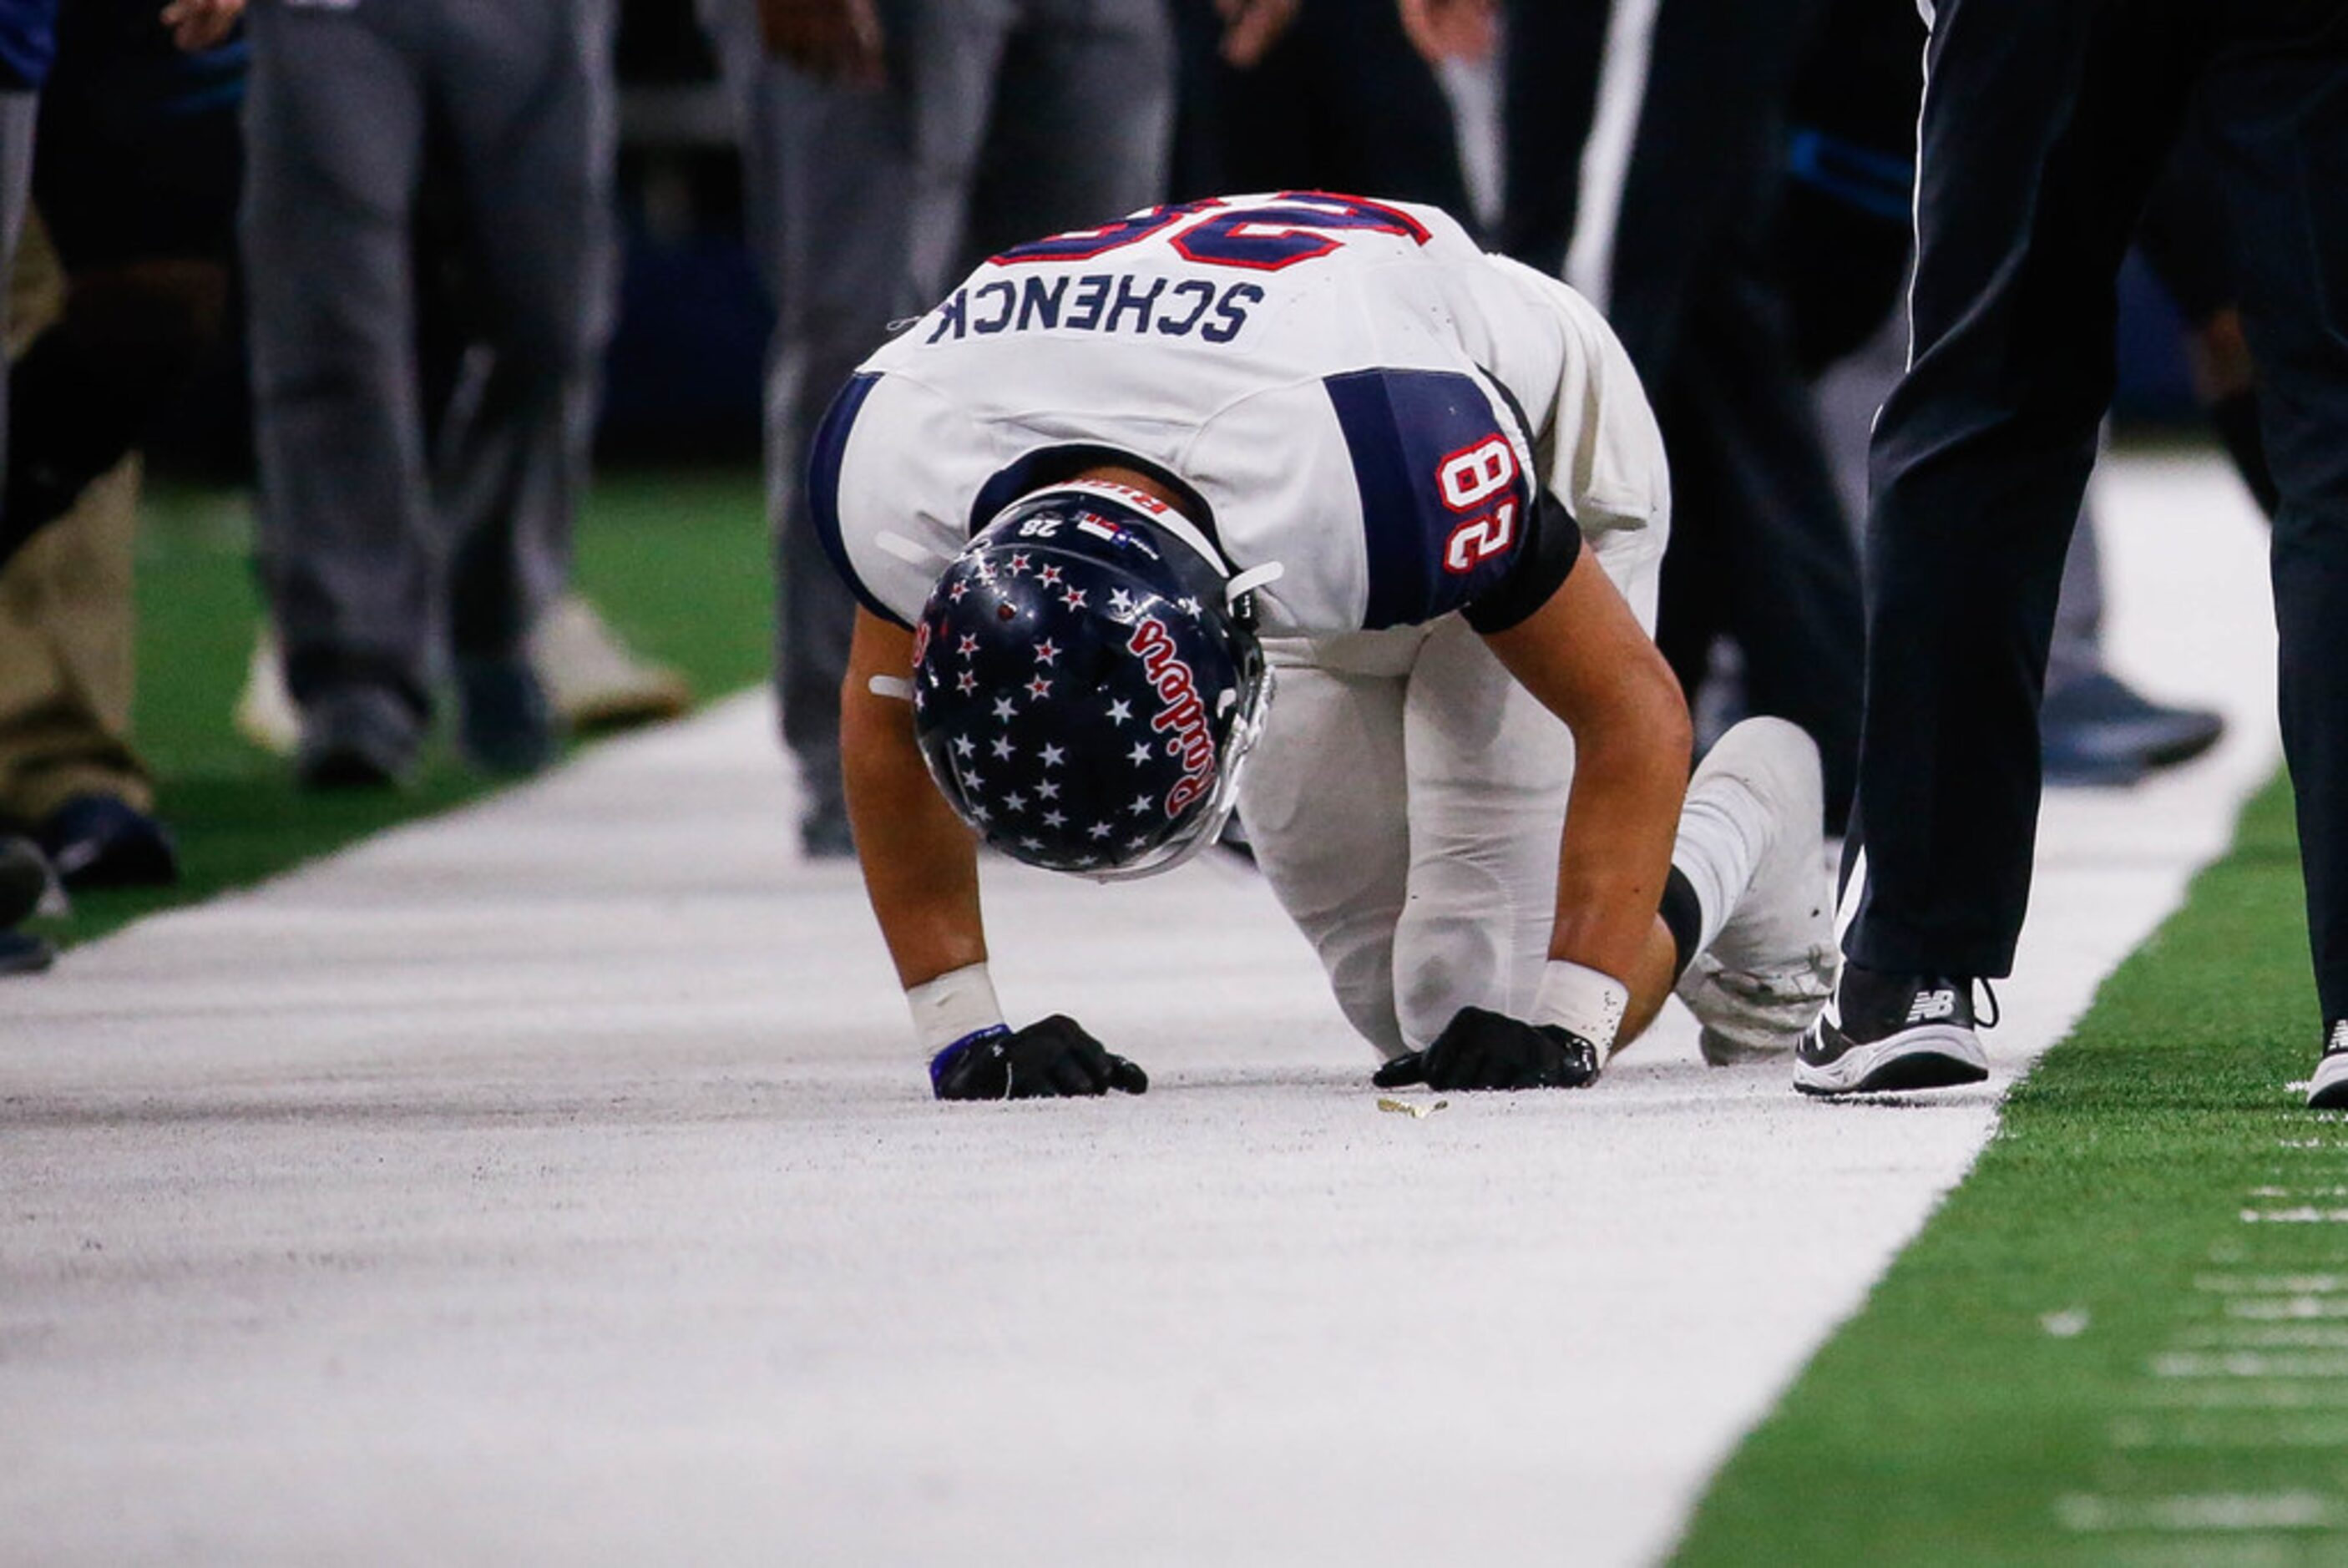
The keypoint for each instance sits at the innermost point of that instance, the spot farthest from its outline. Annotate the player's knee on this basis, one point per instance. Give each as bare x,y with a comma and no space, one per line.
1361,975
1442,965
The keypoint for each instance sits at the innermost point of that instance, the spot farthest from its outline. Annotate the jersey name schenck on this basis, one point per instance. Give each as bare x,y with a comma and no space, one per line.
1353,390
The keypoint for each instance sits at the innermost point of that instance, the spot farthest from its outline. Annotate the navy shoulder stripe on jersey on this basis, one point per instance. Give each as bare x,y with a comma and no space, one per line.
824,454
1447,508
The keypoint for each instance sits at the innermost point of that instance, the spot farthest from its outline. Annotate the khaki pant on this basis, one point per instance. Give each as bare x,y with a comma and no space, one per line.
66,674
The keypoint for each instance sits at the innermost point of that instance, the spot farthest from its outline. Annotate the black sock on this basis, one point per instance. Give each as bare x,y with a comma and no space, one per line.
1683,913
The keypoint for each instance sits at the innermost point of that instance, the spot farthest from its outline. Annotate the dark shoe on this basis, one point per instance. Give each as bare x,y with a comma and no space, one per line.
824,834
22,953
98,841
358,737
504,723
2099,730
1891,1031
2328,1090
24,879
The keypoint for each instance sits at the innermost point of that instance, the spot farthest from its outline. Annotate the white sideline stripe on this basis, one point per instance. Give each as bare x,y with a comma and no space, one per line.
2304,1215
2210,1511
556,1180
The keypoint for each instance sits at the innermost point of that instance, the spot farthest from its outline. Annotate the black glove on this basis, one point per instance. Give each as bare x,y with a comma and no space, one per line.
1480,1049
1047,1061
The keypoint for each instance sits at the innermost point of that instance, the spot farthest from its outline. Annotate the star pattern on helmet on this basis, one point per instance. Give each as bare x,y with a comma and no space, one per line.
1051,730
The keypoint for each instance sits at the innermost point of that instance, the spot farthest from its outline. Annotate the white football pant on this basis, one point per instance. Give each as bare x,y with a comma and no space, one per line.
1406,804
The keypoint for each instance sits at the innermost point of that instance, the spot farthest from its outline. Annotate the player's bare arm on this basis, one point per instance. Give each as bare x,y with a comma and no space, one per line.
920,863
1584,656
921,872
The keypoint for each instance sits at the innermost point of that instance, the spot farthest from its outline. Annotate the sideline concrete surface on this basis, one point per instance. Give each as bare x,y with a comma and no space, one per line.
555,1181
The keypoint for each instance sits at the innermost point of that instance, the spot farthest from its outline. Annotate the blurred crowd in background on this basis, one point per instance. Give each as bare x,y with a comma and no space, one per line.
396,265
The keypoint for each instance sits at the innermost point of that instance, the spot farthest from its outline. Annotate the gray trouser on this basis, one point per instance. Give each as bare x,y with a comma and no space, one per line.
18,112
1005,120
1848,396
374,548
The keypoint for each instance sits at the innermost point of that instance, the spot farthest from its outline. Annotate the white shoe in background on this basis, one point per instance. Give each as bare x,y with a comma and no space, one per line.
594,679
265,714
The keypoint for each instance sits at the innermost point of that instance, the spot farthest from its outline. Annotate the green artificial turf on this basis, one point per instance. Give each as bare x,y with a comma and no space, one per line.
677,562
2091,1355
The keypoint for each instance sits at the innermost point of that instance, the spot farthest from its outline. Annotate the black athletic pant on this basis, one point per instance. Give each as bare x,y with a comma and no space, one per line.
2044,125
1342,102
1761,550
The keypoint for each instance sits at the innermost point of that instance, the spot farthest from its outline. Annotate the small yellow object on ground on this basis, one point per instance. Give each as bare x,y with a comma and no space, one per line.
1412,1109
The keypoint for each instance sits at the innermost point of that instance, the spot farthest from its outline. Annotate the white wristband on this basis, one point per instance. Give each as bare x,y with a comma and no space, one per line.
958,1003
1582,1000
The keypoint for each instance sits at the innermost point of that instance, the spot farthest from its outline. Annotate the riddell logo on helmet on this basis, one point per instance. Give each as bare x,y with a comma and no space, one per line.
1181,714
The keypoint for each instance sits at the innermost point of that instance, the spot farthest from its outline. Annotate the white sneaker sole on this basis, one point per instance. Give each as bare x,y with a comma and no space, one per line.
2328,1089
1937,1056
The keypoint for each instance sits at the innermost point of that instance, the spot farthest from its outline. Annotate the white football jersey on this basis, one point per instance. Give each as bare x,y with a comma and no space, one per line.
1352,389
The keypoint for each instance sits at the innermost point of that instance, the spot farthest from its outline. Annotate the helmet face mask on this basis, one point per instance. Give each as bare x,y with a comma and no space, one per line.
1083,693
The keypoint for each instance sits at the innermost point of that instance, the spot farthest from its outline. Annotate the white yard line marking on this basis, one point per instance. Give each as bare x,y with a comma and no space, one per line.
555,1181
2257,1337
2272,1285
2212,1511
2246,1364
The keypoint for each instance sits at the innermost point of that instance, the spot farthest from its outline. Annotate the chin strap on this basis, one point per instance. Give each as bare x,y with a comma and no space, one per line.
1249,580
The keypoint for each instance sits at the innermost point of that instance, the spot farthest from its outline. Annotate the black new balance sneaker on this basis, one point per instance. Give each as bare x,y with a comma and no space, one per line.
2328,1090
1893,1032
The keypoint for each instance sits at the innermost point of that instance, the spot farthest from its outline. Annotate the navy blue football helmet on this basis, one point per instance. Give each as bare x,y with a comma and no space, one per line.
1086,682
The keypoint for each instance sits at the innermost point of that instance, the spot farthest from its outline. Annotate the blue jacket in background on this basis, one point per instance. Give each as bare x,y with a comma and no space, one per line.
28,42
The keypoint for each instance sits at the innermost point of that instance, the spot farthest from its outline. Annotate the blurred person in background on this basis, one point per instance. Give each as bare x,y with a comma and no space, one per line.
117,294
1644,150
27,43
383,548
888,146
1311,94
